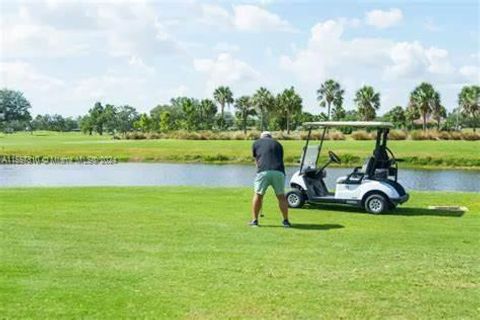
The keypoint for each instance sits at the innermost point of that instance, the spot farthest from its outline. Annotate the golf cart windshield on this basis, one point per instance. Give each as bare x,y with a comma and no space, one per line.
310,157
311,153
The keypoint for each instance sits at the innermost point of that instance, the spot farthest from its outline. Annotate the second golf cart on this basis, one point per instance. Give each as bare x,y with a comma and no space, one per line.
373,186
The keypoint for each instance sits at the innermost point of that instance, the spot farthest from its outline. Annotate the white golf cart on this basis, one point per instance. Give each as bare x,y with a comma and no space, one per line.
372,186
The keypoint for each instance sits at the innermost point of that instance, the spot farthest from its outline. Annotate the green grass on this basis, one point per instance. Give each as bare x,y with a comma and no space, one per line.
434,154
187,253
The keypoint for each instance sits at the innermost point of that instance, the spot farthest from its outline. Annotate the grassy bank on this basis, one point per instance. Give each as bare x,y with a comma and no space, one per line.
435,154
114,253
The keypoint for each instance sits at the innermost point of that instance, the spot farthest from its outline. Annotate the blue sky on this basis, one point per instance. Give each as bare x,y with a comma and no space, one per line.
66,55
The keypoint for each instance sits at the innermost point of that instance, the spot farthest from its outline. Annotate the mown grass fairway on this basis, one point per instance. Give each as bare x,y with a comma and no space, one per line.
414,153
187,253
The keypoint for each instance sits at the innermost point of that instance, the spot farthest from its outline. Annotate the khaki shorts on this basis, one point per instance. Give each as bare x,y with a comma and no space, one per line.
273,178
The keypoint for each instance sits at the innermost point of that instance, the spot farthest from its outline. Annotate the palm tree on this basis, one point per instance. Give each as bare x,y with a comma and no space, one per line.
223,96
411,114
264,102
330,92
367,102
438,113
244,106
469,102
338,112
425,99
190,109
289,103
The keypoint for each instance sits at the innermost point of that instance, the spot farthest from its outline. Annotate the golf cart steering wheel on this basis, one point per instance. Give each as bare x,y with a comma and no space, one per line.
333,157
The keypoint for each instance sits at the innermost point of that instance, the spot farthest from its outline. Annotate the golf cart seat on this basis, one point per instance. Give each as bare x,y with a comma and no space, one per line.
358,172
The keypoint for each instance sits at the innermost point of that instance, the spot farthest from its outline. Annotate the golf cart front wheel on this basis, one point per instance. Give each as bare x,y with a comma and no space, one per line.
295,199
376,204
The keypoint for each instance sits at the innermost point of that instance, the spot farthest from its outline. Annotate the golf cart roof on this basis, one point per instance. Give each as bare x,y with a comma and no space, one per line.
362,124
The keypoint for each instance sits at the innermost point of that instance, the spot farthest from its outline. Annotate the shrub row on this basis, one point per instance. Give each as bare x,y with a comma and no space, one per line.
315,135
235,135
393,135
419,135
444,135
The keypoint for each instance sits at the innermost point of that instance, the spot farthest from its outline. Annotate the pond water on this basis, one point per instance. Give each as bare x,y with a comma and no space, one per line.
164,174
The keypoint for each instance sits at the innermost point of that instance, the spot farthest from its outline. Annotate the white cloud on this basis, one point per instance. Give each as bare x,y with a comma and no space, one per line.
21,76
40,89
411,59
431,25
180,91
471,73
244,18
475,56
225,70
215,15
253,18
61,29
392,67
384,19
438,61
23,36
111,88
328,55
139,64
226,47
265,2
134,30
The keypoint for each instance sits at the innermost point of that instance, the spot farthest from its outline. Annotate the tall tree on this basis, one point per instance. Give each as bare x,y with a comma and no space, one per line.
110,118
411,114
126,117
86,124
143,123
207,110
438,113
244,106
165,121
96,115
425,99
14,107
397,117
367,102
190,109
338,112
469,102
330,92
176,114
264,103
224,97
54,122
289,103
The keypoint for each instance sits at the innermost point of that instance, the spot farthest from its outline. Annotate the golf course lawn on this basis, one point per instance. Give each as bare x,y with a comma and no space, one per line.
435,154
164,252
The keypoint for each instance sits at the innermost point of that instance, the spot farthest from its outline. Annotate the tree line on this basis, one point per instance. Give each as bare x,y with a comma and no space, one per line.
263,110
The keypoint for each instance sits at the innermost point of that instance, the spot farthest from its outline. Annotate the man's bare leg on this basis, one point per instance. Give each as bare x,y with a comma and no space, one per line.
283,205
256,205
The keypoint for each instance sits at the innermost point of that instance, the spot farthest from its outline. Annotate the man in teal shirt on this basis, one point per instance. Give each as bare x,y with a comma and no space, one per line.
268,154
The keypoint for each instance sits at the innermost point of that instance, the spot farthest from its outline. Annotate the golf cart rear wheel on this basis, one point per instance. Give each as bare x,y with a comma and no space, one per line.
295,199
376,204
